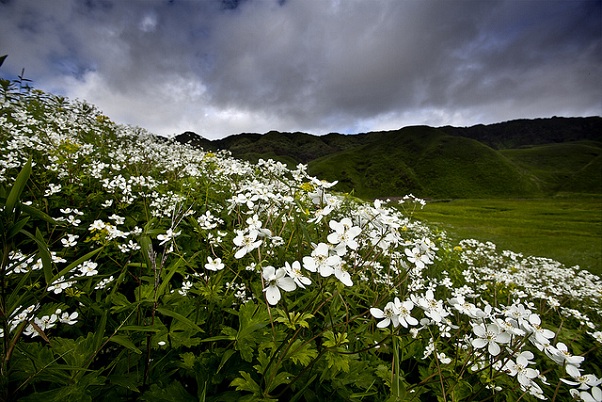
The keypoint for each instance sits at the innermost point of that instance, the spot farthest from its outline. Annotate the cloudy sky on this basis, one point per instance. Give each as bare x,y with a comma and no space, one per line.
221,67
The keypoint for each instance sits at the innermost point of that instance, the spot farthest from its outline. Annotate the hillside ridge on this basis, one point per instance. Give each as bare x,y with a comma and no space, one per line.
512,159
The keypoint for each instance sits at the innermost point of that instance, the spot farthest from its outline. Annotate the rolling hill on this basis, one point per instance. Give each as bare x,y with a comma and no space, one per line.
521,158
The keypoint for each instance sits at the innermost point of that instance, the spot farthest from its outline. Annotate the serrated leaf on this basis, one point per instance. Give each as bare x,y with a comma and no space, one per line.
188,360
246,383
302,353
337,362
252,318
281,378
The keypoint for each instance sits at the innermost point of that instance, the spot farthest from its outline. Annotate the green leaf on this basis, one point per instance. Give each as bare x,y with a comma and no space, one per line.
302,353
337,362
225,357
125,342
335,340
252,318
179,317
188,360
281,378
138,328
45,256
246,383
461,391
129,382
36,213
301,393
219,338
174,392
75,264
171,270
43,252
16,228
18,186
119,299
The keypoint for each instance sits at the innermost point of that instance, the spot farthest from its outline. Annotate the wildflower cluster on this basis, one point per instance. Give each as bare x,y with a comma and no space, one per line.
141,267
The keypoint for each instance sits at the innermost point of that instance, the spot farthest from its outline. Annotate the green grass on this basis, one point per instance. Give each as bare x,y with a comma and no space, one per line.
568,230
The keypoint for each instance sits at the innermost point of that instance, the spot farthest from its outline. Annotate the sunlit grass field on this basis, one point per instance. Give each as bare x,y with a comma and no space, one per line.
568,230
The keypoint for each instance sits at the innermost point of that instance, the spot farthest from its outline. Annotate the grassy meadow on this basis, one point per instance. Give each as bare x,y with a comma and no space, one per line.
142,269
568,230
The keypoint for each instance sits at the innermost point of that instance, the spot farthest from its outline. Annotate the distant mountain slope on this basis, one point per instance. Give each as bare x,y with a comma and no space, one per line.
570,167
517,133
521,158
426,162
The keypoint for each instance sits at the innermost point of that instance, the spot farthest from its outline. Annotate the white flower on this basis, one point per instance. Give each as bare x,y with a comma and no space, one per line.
294,271
70,241
418,257
432,307
46,322
97,225
88,268
443,358
276,280
597,336
344,235
186,286
404,309
321,261
520,369
594,395
52,189
491,336
103,283
59,285
119,220
465,307
561,354
584,381
247,242
254,222
542,335
214,265
343,275
169,235
66,318
390,315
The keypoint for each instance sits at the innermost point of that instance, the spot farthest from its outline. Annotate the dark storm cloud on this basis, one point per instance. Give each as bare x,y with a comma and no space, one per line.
219,67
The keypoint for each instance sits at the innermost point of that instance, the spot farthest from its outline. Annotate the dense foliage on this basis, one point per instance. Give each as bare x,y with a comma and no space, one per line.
137,268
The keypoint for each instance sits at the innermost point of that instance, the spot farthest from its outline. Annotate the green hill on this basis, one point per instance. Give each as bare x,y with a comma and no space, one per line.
568,167
426,162
521,158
